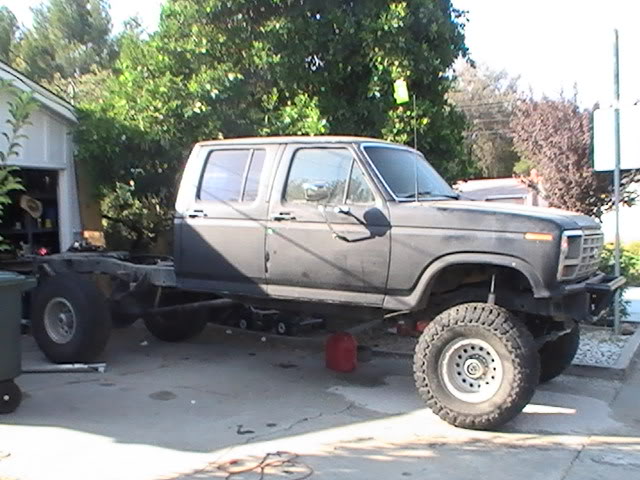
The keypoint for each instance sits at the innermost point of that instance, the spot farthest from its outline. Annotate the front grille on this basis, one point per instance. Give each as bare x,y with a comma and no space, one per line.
592,245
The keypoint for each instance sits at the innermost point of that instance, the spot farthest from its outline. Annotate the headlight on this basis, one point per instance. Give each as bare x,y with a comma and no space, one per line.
570,254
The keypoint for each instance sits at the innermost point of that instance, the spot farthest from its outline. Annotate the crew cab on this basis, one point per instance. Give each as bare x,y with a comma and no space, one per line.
352,228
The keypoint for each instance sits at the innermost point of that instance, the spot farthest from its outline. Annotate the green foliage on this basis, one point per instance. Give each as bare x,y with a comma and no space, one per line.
8,32
629,262
20,105
523,167
629,268
488,98
219,69
135,220
68,38
633,248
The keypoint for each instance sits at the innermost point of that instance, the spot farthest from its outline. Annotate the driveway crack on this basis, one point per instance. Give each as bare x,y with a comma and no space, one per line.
298,422
574,459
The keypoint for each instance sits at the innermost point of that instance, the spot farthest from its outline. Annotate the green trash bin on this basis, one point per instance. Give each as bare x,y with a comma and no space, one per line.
11,287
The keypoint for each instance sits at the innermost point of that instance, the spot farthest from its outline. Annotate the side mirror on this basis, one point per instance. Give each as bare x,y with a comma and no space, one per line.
316,191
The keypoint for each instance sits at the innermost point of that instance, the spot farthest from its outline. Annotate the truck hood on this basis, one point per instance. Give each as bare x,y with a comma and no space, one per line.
496,216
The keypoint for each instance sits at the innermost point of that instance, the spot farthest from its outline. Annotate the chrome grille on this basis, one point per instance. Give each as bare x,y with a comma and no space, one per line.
592,245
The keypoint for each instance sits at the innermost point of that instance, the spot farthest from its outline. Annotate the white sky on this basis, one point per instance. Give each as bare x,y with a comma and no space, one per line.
551,44
121,10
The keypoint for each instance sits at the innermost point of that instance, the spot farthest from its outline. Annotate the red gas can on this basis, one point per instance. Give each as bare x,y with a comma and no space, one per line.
341,352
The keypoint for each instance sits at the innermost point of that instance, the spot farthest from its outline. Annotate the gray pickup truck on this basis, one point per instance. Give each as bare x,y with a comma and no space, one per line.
350,229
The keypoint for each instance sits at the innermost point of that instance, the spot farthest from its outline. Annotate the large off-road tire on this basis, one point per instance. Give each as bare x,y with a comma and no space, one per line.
556,356
476,366
10,396
176,327
70,319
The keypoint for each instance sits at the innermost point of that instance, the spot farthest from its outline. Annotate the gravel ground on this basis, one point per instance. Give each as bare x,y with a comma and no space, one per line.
598,347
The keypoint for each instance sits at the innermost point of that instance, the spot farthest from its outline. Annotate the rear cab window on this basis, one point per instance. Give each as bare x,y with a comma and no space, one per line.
231,176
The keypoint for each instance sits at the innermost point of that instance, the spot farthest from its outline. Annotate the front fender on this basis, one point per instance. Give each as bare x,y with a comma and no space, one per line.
420,294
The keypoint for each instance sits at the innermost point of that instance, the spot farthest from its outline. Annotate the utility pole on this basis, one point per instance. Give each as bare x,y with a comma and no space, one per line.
616,173
415,122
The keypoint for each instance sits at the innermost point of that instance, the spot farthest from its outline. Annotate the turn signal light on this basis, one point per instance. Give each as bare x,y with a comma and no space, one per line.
542,237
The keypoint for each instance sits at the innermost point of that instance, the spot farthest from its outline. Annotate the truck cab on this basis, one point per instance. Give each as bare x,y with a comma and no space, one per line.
290,219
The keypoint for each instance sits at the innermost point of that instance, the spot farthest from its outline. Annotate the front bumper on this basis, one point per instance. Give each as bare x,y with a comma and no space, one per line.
599,284
588,300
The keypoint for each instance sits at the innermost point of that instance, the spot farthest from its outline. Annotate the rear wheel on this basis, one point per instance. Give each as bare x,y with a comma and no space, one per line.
557,355
476,366
176,327
70,321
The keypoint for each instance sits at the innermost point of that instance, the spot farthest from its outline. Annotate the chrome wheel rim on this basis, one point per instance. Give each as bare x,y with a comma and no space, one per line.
471,370
60,320
243,324
281,328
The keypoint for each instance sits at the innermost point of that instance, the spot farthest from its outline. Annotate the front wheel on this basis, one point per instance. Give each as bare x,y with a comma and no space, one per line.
476,366
557,355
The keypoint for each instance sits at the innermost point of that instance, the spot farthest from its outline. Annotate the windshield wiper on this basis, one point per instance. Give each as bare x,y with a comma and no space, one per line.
425,193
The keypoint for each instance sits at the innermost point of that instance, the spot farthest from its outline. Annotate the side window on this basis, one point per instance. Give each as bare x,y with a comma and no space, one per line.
327,165
231,176
222,176
253,176
359,190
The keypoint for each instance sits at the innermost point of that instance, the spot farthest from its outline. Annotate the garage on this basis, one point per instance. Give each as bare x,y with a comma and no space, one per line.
45,217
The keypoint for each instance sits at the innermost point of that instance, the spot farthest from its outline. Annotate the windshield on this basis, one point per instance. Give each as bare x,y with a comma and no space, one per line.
398,169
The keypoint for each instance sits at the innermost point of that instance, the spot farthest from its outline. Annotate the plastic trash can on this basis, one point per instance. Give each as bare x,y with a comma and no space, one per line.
11,287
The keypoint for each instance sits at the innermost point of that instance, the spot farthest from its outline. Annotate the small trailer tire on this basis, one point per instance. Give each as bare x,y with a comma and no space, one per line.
71,320
10,396
476,366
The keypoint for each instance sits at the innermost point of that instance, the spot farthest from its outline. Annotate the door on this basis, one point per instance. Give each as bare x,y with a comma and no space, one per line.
329,234
220,236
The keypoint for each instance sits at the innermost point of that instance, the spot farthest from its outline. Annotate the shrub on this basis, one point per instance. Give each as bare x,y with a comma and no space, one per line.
629,262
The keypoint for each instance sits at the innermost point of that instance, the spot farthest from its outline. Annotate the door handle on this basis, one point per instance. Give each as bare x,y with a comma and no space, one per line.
282,216
197,214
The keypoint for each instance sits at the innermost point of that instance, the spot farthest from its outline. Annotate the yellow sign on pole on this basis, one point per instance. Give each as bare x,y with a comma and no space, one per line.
401,91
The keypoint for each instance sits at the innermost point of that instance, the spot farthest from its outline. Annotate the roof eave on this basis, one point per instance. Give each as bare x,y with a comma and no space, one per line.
48,99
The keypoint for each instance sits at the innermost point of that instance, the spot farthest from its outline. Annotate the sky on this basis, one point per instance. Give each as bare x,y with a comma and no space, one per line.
121,10
554,44
551,44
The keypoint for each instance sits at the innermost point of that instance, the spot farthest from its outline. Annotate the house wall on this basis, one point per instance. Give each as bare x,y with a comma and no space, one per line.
50,146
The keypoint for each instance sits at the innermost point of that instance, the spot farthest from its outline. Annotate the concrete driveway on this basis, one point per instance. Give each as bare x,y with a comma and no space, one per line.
165,411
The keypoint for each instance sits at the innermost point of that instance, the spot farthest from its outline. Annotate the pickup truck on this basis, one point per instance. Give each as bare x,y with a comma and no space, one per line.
358,229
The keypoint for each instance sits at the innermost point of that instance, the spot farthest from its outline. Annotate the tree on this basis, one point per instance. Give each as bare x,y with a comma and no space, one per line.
68,38
487,98
20,106
554,136
8,32
219,69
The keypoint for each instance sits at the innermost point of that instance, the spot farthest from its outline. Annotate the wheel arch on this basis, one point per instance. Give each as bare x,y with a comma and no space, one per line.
420,294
